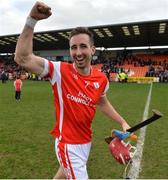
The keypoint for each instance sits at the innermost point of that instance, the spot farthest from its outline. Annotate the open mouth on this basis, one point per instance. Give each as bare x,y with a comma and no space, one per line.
81,60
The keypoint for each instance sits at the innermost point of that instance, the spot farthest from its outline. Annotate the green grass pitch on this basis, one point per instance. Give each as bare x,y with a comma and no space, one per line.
27,149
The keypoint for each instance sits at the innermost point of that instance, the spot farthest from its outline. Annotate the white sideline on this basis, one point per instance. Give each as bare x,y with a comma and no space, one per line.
136,164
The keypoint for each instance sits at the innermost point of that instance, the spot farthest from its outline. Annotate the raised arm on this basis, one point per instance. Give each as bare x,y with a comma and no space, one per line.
108,109
24,48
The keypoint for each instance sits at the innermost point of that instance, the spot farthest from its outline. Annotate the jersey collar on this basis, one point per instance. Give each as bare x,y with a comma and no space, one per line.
91,69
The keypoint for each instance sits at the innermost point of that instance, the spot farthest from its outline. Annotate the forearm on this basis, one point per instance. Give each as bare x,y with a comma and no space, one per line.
109,110
24,47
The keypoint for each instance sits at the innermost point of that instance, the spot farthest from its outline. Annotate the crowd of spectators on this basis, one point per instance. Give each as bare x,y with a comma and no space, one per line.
160,71
9,69
155,68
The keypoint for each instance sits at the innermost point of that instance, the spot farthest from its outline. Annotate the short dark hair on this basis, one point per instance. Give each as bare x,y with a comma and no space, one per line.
82,30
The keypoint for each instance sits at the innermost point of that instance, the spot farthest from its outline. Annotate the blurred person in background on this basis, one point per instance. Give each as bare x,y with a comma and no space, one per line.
18,87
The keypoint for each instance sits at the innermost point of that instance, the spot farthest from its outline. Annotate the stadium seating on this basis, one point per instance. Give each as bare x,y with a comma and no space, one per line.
97,66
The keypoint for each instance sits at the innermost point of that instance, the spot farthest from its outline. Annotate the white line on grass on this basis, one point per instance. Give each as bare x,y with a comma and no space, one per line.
136,164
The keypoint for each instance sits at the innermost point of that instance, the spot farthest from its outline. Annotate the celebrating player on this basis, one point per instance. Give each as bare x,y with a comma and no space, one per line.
77,88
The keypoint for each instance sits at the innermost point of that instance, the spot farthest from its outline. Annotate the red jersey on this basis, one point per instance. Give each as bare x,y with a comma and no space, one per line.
75,99
18,84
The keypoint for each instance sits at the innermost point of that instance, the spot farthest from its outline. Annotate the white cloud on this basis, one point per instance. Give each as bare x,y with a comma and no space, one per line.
71,13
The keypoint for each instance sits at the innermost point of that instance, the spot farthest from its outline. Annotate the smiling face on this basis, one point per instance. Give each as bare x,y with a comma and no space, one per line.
81,51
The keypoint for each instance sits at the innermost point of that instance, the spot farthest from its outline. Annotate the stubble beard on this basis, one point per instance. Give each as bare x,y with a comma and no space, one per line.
83,67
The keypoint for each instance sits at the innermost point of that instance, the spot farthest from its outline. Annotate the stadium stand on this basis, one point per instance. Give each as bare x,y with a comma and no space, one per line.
143,63
139,66
136,66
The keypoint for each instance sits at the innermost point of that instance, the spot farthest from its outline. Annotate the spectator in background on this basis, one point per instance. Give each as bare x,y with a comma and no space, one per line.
18,88
3,77
122,77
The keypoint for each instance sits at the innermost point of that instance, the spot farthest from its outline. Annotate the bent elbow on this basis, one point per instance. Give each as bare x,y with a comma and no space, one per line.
20,60
16,58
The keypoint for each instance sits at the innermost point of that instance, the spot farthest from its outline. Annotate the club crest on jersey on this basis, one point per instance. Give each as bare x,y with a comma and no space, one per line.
86,83
96,85
74,76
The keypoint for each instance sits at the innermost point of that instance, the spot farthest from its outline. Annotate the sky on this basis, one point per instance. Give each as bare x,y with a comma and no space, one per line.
72,13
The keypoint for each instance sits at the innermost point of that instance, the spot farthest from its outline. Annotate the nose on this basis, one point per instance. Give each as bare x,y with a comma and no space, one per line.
78,51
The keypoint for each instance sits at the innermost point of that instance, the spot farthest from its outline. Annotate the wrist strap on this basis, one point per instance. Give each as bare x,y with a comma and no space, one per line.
31,22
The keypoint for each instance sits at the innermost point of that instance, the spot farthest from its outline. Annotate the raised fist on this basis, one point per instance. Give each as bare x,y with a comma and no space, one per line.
40,11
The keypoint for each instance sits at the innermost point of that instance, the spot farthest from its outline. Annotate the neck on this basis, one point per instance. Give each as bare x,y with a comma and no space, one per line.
84,71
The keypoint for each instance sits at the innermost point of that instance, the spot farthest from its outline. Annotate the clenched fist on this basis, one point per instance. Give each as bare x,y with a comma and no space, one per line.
40,11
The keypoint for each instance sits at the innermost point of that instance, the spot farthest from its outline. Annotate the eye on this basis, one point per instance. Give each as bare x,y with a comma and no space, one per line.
83,46
73,47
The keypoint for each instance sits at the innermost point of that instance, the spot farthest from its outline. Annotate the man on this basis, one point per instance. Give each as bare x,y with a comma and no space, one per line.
77,90
18,87
3,77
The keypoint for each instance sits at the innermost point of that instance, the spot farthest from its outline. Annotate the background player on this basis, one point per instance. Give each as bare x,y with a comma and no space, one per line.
18,87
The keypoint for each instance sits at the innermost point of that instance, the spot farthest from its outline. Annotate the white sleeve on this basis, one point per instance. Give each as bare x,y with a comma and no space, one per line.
106,89
45,70
56,73
53,70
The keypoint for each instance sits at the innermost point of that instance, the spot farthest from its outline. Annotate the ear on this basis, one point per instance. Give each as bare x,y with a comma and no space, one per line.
93,50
